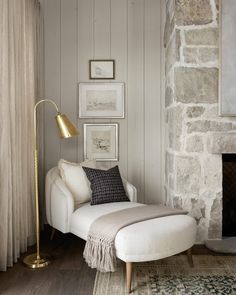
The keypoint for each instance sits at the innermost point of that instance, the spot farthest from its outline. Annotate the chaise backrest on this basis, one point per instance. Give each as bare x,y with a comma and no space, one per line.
60,202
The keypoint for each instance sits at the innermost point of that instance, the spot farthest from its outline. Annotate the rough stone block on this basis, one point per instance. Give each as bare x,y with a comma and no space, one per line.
212,172
219,143
215,224
188,172
169,27
206,125
202,230
169,167
165,194
166,116
207,36
193,12
212,111
177,202
169,77
208,194
170,7
170,162
168,96
221,126
195,207
170,55
175,119
172,50
171,182
177,45
198,126
194,112
217,17
194,144
196,85
169,197
200,55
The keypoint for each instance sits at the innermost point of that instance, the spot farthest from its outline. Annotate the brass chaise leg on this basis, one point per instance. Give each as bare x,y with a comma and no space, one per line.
128,275
190,257
52,234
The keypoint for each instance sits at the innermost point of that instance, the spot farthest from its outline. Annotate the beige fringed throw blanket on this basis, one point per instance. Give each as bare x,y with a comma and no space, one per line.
99,250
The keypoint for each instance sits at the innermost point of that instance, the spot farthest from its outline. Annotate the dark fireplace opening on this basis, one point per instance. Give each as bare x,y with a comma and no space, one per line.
229,195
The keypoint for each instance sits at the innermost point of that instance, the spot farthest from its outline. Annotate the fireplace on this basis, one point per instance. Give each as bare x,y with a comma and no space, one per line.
229,195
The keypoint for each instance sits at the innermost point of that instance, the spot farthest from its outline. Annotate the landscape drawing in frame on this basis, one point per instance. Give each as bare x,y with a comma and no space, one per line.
227,71
101,100
102,69
101,141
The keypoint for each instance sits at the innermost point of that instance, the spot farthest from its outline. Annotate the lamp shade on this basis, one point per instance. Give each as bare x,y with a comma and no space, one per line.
66,128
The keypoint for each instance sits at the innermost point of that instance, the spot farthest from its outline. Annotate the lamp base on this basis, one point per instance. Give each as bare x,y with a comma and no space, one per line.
32,261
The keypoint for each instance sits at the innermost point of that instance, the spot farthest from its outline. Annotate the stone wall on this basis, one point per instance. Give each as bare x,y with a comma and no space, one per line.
193,126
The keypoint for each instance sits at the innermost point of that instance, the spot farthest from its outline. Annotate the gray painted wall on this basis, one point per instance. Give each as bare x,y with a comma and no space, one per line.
128,31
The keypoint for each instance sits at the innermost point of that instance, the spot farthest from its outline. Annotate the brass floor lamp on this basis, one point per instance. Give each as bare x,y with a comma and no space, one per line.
66,130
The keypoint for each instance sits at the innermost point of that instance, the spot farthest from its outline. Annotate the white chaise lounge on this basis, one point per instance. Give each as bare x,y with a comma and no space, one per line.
144,241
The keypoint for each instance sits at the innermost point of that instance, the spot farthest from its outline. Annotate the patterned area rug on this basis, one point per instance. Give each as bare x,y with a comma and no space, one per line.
211,275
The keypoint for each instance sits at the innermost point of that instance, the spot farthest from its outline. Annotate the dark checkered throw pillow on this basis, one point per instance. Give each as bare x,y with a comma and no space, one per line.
106,185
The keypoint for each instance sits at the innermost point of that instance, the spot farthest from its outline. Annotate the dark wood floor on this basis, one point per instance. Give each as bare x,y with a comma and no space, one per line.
67,275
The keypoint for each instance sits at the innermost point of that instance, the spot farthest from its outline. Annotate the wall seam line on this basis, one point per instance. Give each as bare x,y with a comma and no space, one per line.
60,77
144,105
127,87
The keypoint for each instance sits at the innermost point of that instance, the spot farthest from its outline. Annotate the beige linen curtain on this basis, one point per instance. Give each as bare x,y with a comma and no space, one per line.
18,91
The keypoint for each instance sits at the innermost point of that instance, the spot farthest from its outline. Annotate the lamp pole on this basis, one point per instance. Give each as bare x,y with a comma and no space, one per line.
67,129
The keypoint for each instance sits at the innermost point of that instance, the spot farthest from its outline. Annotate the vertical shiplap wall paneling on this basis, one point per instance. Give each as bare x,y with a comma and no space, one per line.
152,138
85,52
52,38
119,35
102,44
129,32
135,113
68,83
102,29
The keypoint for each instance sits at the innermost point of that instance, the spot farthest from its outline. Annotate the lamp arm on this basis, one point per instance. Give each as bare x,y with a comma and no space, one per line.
41,101
47,100
35,116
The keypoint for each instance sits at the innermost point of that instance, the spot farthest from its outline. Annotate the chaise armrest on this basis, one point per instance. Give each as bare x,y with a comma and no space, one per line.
59,202
130,190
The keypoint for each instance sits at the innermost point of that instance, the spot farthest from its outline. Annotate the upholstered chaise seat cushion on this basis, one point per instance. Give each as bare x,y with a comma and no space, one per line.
143,241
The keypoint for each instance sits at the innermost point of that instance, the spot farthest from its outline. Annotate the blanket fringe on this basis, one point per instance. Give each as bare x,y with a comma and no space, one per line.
100,253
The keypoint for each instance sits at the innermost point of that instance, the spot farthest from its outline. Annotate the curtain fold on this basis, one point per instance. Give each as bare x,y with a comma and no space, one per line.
18,93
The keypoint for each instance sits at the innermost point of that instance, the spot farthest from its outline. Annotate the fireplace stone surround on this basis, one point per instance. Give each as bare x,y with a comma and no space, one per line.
195,133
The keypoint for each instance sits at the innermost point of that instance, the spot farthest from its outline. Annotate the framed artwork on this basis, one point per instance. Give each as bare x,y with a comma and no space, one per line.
101,100
102,69
227,69
101,141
